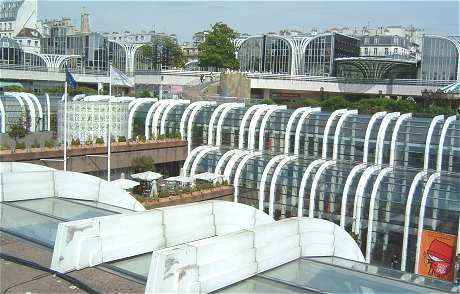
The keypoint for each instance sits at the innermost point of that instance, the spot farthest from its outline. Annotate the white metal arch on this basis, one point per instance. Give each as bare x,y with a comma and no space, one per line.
2,117
292,118
166,112
442,138
253,125
394,136
276,173
231,163
264,122
303,183
367,137
221,161
157,115
184,117
222,117
238,171
370,224
48,112
190,157
346,189
338,129
381,136
30,106
263,179
429,136
360,189
212,121
410,197
314,185
39,105
244,120
192,118
133,106
300,123
421,217
200,155
327,129
148,117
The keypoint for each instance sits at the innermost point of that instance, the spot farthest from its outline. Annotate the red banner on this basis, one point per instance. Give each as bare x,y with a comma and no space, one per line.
437,255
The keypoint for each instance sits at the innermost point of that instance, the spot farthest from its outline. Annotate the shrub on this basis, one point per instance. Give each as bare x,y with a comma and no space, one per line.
50,143
75,142
20,145
89,142
99,141
142,164
121,139
3,147
336,102
142,138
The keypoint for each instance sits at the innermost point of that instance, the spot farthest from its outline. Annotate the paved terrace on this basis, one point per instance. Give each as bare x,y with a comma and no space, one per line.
258,81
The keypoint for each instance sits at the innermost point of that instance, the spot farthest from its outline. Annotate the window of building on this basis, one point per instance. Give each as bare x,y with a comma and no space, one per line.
375,51
386,51
395,51
366,51
376,40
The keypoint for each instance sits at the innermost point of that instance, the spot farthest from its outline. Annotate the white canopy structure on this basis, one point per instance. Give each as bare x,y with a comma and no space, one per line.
125,184
147,176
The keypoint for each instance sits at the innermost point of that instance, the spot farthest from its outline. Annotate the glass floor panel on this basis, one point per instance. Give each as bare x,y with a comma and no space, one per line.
61,208
38,219
137,266
334,279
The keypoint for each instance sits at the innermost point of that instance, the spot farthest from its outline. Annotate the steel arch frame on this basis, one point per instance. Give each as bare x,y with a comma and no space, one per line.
381,136
192,118
338,129
30,106
184,117
363,181
346,189
231,163
199,156
166,112
133,106
238,171
375,188
394,136
314,185
367,137
275,175
429,136
2,117
253,126
189,159
303,183
212,121
148,119
435,176
292,118
300,123
263,179
410,197
264,122
327,129
221,161
222,117
442,138
244,120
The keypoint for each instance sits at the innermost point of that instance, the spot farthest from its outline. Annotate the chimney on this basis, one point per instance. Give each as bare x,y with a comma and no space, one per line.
84,28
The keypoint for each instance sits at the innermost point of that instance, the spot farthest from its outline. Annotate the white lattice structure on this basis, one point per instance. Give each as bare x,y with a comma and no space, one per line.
89,120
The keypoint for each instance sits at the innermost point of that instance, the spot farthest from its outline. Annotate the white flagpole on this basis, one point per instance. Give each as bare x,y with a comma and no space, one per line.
109,141
65,126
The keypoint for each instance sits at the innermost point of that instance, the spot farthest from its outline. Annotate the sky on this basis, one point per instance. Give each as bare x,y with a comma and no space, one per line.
184,18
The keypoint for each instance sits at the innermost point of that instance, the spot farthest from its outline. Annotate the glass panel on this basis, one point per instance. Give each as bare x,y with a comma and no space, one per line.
61,208
138,266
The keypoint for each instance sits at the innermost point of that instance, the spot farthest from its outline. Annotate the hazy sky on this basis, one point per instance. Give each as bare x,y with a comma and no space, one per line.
183,18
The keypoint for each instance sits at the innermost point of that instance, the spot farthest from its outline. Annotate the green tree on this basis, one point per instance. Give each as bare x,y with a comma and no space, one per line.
18,130
142,164
218,50
162,52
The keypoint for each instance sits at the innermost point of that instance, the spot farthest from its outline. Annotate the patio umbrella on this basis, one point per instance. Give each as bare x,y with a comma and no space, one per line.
125,184
147,176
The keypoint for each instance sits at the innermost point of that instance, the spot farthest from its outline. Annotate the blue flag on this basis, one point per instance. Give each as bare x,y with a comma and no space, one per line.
69,78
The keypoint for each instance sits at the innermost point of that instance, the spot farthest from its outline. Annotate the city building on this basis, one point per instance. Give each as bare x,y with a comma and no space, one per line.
16,15
295,55
386,46
440,58
199,37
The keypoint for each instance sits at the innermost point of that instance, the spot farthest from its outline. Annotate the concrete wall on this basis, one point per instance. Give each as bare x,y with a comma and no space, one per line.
122,155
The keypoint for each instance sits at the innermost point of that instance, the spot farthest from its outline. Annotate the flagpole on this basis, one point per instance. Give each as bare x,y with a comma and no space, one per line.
109,141
65,125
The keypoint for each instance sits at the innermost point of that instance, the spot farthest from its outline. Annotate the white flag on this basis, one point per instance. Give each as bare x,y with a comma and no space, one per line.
120,78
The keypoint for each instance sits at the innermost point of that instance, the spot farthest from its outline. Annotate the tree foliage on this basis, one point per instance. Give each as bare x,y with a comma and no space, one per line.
218,50
18,129
142,164
162,52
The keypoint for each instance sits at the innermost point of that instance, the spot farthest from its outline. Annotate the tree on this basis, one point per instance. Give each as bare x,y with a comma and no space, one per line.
142,164
218,50
162,52
18,130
